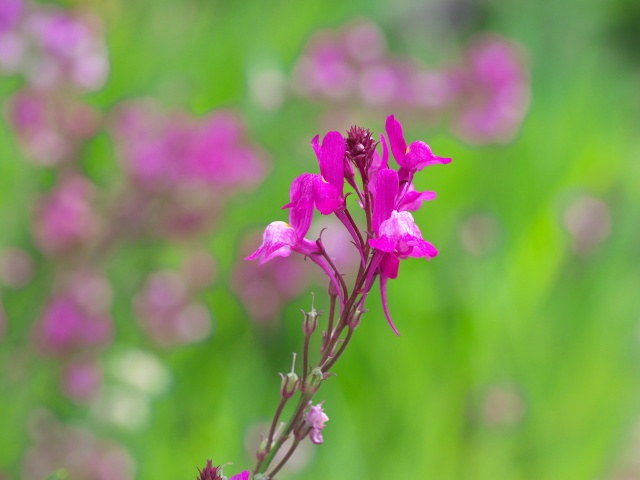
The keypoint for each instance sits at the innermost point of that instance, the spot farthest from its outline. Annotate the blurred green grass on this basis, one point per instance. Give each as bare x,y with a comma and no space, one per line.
559,328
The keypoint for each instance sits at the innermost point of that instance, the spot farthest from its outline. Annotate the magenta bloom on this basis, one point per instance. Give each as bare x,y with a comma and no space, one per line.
281,238
324,190
413,158
387,196
329,190
399,234
244,475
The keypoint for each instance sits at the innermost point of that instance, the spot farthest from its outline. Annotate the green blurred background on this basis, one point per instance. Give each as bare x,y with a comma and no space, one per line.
516,360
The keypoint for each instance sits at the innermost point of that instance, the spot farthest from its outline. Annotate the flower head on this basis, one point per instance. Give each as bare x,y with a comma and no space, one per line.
413,158
316,419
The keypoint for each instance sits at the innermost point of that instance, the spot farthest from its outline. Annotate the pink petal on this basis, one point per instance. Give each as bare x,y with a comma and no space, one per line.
396,139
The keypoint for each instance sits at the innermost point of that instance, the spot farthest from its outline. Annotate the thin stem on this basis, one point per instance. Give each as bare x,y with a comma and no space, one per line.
272,431
285,459
332,360
343,284
355,226
302,404
332,312
305,358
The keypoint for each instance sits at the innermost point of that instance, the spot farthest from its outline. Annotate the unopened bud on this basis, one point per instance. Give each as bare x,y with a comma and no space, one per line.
310,321
262,450
313,381
354,319
289,384
290,381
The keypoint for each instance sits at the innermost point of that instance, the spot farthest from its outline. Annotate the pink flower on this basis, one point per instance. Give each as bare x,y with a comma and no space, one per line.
280,238
413,158
66,327
316,419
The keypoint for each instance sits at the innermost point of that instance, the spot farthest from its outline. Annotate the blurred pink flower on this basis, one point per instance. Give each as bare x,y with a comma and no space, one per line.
81,380
10,12
164,150
50,129
75,449
65,219
493,90
167,312
324,68
487,93
66,328
66,50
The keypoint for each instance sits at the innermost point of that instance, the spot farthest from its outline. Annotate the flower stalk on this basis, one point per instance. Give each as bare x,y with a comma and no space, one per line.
389,235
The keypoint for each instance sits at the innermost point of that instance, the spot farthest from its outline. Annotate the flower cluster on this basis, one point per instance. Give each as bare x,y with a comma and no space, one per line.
387,197
485,93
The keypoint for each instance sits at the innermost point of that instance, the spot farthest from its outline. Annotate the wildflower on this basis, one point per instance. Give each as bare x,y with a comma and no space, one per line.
316,419
281,238
413,158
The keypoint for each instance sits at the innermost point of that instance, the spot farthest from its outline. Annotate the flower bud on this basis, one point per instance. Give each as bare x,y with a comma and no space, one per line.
313,381
261,453
354,319
290,381
289,384
310,321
